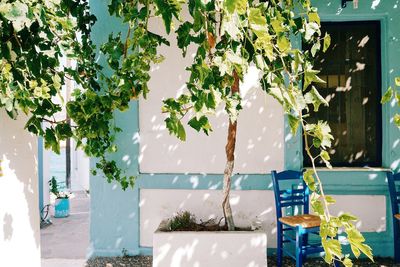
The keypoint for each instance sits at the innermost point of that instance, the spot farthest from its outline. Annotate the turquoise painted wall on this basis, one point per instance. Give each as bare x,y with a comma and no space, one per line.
115,213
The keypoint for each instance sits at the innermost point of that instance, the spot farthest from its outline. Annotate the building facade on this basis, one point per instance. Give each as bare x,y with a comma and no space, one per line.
173,176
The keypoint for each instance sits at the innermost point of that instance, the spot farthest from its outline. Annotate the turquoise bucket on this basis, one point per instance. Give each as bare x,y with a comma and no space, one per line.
61,209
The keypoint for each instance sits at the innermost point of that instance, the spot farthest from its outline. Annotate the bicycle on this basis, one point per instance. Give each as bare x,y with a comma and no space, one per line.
44,214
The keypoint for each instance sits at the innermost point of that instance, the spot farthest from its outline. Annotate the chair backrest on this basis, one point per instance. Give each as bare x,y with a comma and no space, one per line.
292,196
394,194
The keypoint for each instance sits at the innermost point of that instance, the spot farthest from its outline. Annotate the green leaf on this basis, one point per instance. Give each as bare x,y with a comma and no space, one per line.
318,207
314,17
294,123
327,42
397,97
367,250
332,249
168,9
283,43
397,81
308,177
63,131
264,43
348,262
396,120
313,97
50,141
330,200
200,124
277,25
387,96
347,217
183,36
175,127
356,240
322,131
316,142
236,5
256,17
315,48
325,157
181,132
310,76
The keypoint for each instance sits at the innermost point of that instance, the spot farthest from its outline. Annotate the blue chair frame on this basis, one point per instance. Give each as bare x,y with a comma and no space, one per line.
293,198
395,202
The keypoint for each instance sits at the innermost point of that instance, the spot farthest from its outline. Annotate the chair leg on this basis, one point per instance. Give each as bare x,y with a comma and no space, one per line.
305,243
280,244
299,246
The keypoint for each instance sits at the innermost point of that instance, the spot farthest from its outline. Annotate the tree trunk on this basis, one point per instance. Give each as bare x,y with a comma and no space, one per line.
230,162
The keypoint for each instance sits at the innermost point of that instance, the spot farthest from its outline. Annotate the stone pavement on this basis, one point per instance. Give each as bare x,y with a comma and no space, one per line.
66,241
63,263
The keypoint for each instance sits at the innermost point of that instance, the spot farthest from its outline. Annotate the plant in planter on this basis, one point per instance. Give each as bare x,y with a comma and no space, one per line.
62,204
190,242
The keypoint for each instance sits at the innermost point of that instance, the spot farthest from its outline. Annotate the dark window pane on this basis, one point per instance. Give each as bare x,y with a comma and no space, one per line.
352,71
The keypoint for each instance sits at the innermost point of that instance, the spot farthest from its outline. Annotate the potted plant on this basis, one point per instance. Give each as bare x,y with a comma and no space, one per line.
61,206
185,241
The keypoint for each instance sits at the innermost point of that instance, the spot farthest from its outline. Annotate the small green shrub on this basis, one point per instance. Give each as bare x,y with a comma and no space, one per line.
53,184
183,221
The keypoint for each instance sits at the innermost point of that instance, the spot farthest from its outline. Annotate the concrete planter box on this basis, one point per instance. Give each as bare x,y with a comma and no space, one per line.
211,249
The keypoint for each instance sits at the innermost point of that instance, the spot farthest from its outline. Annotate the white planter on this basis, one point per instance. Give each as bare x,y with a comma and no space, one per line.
210,249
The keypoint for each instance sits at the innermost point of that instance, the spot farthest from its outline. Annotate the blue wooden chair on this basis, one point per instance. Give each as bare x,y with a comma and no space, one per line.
395,201
294,229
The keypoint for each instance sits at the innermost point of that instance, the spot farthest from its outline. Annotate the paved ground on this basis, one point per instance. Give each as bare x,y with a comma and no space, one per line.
63,263
65,242
145,261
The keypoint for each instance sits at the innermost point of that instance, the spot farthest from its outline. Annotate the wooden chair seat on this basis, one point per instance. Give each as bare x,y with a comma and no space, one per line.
397,216
306,220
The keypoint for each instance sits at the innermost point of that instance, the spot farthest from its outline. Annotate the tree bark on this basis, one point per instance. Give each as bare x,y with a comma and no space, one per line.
230,163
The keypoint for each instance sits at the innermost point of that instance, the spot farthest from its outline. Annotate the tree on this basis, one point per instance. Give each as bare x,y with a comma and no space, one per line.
230,35
393,93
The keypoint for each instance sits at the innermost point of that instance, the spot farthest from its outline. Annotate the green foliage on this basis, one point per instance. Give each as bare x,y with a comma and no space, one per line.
330,225
393,93
168,9
54,189
35,37
182,221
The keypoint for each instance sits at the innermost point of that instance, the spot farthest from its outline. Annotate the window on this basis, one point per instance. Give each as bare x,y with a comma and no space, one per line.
352,70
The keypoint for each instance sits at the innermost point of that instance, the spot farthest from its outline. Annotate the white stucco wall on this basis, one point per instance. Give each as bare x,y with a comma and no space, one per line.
248,207
79,169
19,197
46,176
